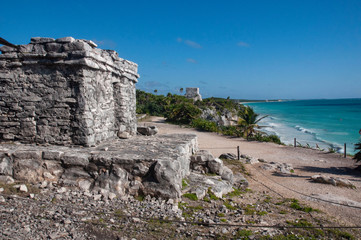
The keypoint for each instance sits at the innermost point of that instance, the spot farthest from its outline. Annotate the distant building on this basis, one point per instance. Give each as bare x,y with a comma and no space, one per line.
193,93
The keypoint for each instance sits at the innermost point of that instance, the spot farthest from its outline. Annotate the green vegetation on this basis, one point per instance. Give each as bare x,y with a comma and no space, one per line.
184,183
357,156
295,205
180,110
243,234
191,196
248,122
229,206
211,195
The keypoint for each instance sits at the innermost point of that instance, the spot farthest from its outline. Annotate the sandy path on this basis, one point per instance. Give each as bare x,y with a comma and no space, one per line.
306,162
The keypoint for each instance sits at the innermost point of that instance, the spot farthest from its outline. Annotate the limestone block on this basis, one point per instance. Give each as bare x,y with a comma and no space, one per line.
5,49
31,154
28,170
52,155
148,131
74,173
6,165
227,174
75,159
53,47
6,179
215,166
53,167
65,40
41,40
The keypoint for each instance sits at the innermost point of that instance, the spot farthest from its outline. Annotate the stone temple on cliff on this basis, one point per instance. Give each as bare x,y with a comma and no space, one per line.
64,92
68,114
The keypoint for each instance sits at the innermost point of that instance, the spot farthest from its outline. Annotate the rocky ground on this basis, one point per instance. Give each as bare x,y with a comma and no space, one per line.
269,208
54,212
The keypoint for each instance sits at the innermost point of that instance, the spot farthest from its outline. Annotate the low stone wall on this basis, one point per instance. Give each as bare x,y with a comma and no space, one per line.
64,92
143,165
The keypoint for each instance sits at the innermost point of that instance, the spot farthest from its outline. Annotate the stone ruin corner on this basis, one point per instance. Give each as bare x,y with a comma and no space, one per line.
65,91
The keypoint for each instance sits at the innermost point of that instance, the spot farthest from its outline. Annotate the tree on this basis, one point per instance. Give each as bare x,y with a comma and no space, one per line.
155,91
181,90
248,121
357,156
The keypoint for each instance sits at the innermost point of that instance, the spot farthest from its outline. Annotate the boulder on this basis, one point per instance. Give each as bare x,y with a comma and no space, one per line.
215,166
199,161
331,180
230,156
239,181
148,131
199,185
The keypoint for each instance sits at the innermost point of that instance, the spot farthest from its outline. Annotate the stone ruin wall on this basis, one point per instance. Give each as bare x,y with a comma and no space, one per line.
65,92
193,93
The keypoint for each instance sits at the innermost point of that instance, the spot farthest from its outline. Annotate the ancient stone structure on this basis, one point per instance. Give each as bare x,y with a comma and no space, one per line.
65,92
193,93
57,96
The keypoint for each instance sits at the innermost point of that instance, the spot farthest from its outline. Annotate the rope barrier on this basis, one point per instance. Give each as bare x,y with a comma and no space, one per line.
191,222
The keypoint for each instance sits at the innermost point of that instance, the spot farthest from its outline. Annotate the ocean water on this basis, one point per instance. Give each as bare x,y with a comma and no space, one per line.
327,123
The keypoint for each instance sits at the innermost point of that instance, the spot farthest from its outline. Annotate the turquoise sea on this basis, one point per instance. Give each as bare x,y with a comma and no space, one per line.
327,123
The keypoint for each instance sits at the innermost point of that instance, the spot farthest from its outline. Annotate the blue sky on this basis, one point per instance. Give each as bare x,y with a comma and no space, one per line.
242,49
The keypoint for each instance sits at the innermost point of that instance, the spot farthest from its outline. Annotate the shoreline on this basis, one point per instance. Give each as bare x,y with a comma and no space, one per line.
321,136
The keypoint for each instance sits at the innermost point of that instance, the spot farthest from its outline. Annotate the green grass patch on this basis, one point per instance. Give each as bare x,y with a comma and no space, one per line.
191,196
212,196
229,206
340,234
223,220
262,213
184,183
296,205
243,234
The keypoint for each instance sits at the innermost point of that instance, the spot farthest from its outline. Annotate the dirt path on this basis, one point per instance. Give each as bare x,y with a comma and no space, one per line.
306,162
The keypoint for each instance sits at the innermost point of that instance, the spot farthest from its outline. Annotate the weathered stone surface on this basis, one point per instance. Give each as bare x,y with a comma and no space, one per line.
215,166
230,156
201,184
6,179
335,181
200,160
73,93
285,168
148,131
239,181
193,93
6,165
141,165
75,159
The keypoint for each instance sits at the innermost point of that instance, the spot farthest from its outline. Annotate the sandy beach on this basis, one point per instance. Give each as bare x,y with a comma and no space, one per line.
306,163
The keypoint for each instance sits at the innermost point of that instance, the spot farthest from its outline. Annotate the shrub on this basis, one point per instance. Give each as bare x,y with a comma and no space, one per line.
202,124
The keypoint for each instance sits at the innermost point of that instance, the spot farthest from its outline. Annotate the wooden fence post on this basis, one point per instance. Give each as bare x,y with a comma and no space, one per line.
344,150
294,142
238,153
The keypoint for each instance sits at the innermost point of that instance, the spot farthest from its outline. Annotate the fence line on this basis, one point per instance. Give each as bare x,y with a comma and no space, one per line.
180,221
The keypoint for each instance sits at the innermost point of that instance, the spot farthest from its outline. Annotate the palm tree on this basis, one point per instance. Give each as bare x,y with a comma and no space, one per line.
248,121
155,91
357,156
181,90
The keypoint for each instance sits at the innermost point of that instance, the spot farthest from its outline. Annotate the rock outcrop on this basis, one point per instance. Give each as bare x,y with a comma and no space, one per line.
152,166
